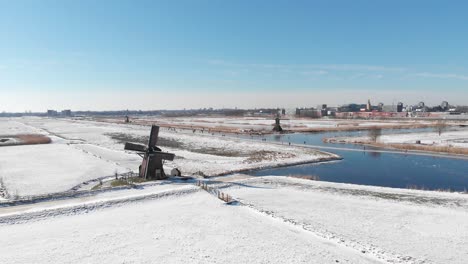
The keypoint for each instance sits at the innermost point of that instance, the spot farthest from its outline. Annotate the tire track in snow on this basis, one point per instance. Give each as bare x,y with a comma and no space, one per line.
368,250
86,207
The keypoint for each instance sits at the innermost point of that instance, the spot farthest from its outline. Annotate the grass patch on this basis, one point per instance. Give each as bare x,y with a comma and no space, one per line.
127,181
263,155
136,180
96,187
306,177
172,143
442,149
218,152
119,182
162,142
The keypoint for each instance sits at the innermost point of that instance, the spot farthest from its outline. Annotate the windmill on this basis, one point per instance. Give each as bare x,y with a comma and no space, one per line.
277,127
152,165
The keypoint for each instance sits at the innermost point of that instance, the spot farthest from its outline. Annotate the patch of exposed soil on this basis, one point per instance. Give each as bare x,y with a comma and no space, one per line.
26,139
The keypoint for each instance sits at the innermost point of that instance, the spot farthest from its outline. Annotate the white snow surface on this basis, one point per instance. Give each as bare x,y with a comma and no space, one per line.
190,228
448,138
267,123
453,138
83,150
397,225
12,126
40,169
279,220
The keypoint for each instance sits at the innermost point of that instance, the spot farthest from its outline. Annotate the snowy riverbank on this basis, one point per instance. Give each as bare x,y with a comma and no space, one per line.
451,142
84,150
279,219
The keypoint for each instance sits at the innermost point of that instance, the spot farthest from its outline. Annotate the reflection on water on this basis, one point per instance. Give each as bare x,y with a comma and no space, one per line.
375,168
374,154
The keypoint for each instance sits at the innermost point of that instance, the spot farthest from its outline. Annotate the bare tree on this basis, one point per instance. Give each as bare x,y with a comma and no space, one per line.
375,133
440,127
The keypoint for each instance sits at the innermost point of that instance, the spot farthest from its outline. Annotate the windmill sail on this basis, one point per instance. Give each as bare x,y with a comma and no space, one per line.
135,147
164,155
153,136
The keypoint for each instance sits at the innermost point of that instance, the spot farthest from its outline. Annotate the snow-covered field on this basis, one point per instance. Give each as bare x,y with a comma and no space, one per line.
276,220
410,226
279,220
193,228
449,138
40,169
84,150
10,126
265,124
456,138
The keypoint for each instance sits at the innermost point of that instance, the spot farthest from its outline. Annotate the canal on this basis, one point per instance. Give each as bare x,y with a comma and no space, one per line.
374,168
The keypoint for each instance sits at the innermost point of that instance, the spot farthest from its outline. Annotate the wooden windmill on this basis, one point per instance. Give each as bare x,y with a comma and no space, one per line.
153,158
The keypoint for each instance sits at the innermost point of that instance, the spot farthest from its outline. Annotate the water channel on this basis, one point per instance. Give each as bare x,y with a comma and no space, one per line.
374,168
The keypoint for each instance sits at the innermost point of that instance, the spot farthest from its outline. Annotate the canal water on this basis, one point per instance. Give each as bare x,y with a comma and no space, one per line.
374,168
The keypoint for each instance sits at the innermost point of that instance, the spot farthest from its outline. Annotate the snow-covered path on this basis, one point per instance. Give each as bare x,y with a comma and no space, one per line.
189,228
280,220
398,226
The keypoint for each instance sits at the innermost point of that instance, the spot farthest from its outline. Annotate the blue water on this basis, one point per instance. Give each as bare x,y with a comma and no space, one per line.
373,168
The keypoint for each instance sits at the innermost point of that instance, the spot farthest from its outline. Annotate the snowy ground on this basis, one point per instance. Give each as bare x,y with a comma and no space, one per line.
449,138
84,150
265,124
398,225
190,228
10,126
40,169
458,138
280,220
277,220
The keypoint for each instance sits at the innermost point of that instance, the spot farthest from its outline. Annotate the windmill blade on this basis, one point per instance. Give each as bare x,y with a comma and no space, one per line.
135,147
163,155
153,136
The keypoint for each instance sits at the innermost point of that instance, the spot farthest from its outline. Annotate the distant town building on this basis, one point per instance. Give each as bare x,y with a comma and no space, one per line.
444,106
323,109
400,107
52,113
351,108
380,106
368,106
66,113
390,108
308,112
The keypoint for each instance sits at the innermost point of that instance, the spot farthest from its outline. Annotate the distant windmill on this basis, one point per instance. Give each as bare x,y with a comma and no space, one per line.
127,118
152,165
277,127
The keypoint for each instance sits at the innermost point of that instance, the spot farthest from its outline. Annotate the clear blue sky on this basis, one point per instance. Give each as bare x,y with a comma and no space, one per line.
215,47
